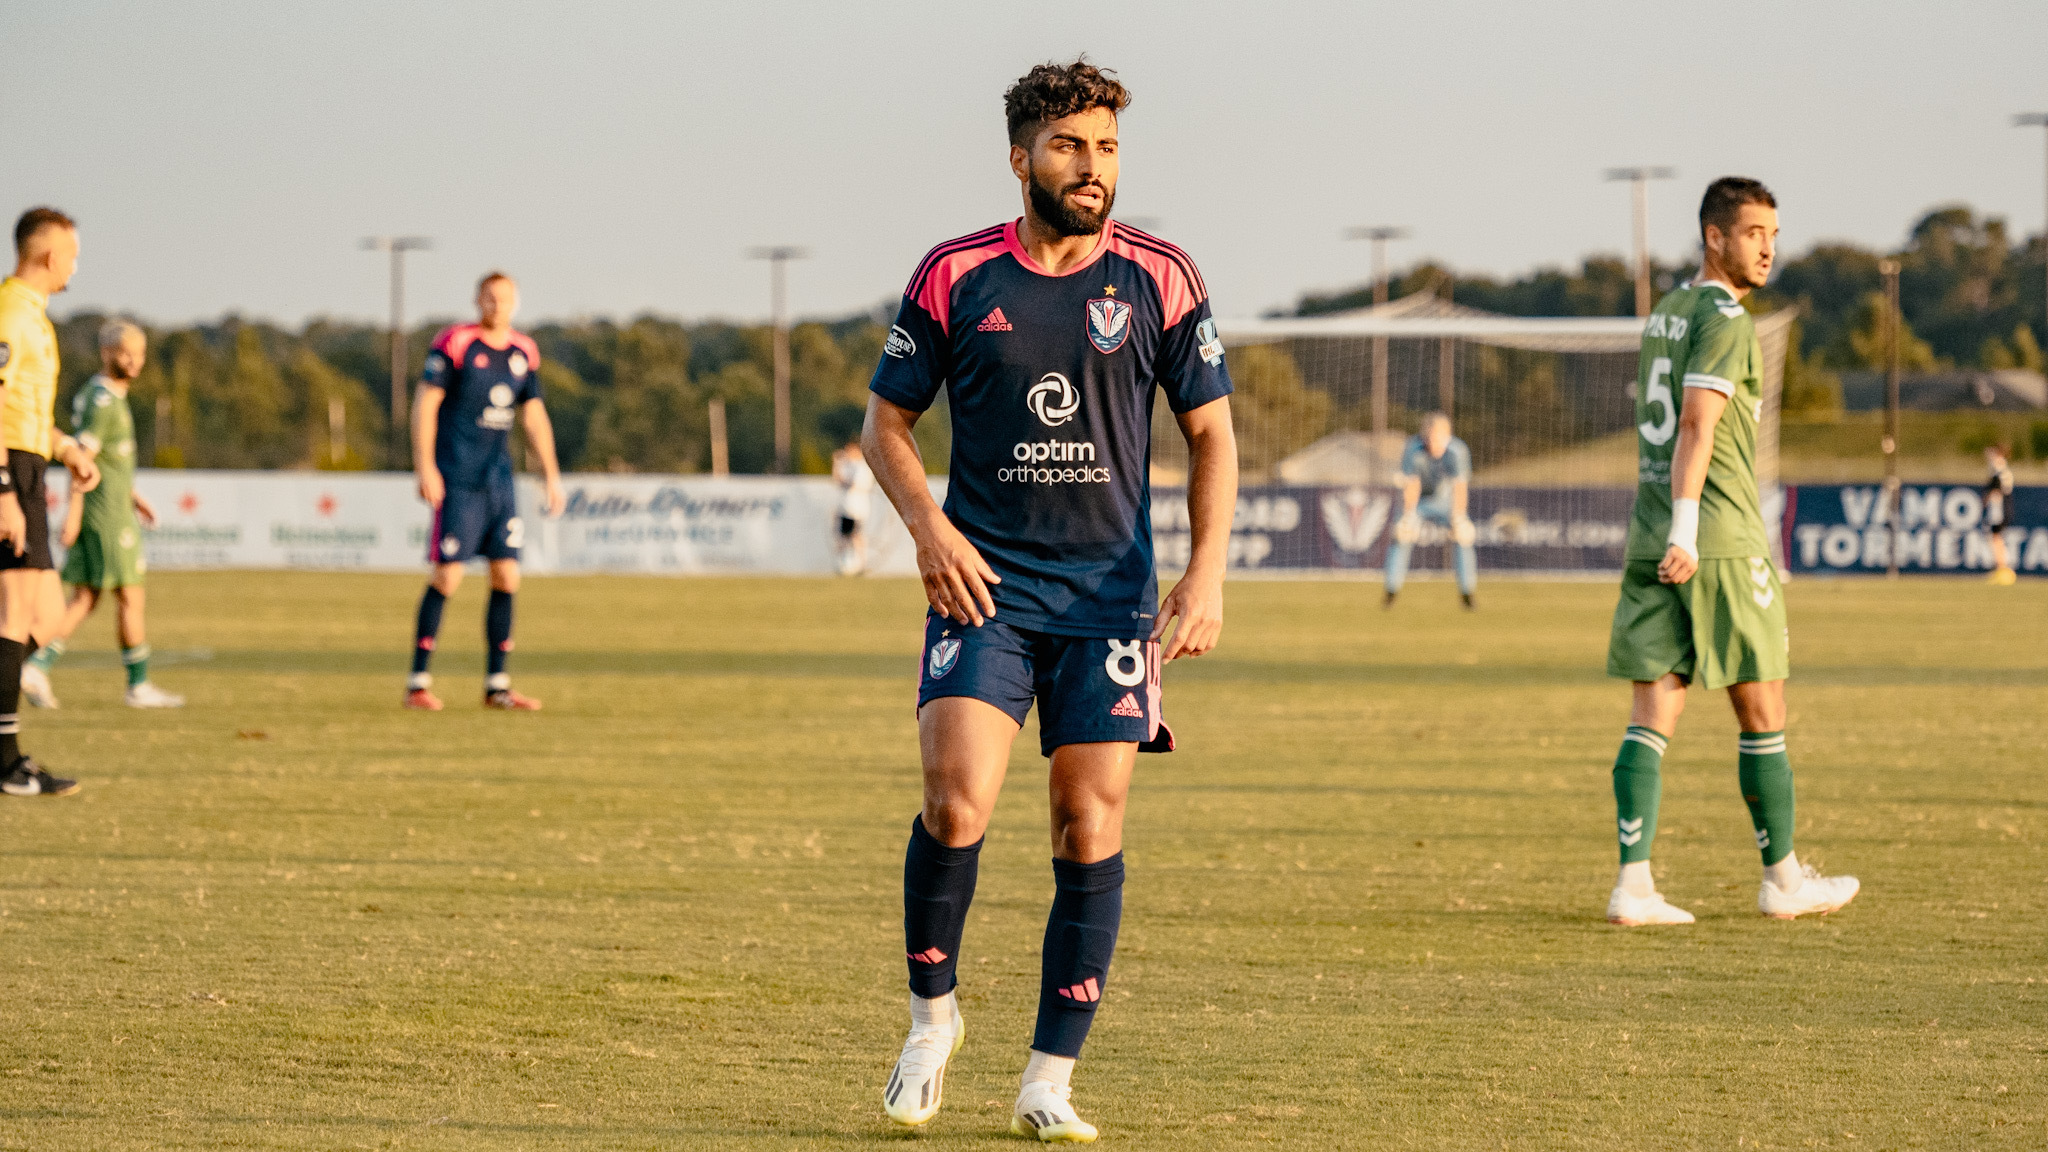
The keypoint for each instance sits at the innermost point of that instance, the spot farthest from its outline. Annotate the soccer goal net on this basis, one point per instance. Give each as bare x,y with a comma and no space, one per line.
1545,404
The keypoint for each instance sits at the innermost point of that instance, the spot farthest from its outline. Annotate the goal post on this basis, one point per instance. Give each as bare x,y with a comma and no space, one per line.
1325,405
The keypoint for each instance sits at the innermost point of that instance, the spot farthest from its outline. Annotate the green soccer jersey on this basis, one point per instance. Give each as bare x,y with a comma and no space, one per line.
1698,337
103,423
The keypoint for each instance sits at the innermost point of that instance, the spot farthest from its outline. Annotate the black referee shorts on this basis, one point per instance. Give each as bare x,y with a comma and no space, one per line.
27,468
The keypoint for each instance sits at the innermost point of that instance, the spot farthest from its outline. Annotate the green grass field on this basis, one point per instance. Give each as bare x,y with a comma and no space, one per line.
1364,910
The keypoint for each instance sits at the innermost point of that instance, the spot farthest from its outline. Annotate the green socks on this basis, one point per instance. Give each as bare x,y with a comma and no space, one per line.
1766,774
1637,784
46,656
136,660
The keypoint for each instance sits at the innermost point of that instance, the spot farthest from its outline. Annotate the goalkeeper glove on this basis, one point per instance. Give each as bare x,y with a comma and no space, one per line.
1408,528
1463,532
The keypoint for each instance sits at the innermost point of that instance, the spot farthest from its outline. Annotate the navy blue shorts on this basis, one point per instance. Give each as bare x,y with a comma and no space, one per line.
475,522
1089,690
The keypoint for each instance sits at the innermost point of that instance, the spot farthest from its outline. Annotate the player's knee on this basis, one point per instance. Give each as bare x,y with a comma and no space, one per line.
447,578
955,821
504,576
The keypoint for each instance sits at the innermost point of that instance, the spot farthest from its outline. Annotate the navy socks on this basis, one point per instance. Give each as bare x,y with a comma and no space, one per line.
1080,938
498,638
428,627
938,886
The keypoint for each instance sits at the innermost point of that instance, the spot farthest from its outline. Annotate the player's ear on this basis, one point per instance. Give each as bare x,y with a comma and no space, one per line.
1020,161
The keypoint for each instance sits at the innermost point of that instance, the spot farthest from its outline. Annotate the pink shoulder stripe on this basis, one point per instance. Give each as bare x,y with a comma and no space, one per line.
1180,256
524,343
455,339
971,240
1177,290
932,290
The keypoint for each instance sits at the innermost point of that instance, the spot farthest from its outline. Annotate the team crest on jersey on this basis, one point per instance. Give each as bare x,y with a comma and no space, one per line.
517,363
944,655
899,345
1109,324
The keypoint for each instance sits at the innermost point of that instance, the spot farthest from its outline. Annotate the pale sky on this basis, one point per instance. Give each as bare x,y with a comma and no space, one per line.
620,156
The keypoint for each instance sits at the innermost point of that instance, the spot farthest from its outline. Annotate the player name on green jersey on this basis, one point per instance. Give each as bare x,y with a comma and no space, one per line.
1699,336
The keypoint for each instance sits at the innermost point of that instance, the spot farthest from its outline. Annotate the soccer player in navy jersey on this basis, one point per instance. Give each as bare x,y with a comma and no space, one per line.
1050,335
478,376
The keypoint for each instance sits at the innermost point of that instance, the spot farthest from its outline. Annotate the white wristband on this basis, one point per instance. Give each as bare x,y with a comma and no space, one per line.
1685,526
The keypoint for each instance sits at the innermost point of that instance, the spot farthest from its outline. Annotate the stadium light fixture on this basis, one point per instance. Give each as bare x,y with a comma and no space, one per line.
778,257
1640,178
1379,234
2037,120
398,246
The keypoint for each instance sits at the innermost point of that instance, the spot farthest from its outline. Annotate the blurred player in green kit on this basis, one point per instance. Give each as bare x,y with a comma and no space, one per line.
103,527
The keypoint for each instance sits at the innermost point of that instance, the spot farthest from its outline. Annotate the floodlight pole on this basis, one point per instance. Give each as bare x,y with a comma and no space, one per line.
778,257
398,246
1379,234
1893,322
1640,178
2038,120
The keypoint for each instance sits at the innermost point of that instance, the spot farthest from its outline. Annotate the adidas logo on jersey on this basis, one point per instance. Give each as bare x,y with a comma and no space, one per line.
995,322
1128,706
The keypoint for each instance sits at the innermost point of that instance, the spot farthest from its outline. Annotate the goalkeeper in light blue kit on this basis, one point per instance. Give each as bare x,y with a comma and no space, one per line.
1436,470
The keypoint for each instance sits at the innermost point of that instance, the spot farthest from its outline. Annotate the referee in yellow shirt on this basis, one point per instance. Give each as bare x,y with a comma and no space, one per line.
45,256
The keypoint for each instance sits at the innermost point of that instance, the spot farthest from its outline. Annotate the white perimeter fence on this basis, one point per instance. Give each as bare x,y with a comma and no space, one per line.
673,525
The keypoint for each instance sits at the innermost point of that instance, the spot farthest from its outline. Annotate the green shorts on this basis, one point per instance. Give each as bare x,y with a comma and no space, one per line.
106,558
1724,626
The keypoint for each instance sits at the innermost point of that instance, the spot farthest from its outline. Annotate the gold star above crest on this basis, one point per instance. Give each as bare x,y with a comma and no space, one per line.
1110,289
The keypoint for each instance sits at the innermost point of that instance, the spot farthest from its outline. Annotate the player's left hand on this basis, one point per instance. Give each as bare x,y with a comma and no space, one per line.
555,498
1464,532
85,472
1198,601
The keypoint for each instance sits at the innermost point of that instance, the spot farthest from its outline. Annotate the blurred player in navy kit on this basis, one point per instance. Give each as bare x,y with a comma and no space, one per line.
479,377
1052,335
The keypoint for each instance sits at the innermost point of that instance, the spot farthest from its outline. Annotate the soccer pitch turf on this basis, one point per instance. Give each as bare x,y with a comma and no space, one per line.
1365,900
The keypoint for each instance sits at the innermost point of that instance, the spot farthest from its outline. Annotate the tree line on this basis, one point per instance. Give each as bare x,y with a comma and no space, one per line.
624,397
636,395
1971,294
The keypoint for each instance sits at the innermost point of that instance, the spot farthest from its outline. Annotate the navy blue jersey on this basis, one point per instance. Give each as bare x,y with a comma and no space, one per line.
483,387
1050,380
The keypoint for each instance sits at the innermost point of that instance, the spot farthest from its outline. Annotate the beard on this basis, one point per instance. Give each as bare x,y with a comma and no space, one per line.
1052,208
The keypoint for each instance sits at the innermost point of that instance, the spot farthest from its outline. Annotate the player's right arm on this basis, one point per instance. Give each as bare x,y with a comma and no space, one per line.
426,421
1715,362
956,578
916,361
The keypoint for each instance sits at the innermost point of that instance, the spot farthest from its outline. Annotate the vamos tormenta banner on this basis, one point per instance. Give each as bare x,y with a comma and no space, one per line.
1943,528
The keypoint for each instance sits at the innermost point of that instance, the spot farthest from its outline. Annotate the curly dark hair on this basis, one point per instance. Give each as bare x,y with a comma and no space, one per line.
1053,91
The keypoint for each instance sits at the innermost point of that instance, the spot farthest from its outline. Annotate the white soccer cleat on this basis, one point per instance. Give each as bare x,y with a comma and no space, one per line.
1636,911
918,1085
35,687
1816,894
148,695
1046,1110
